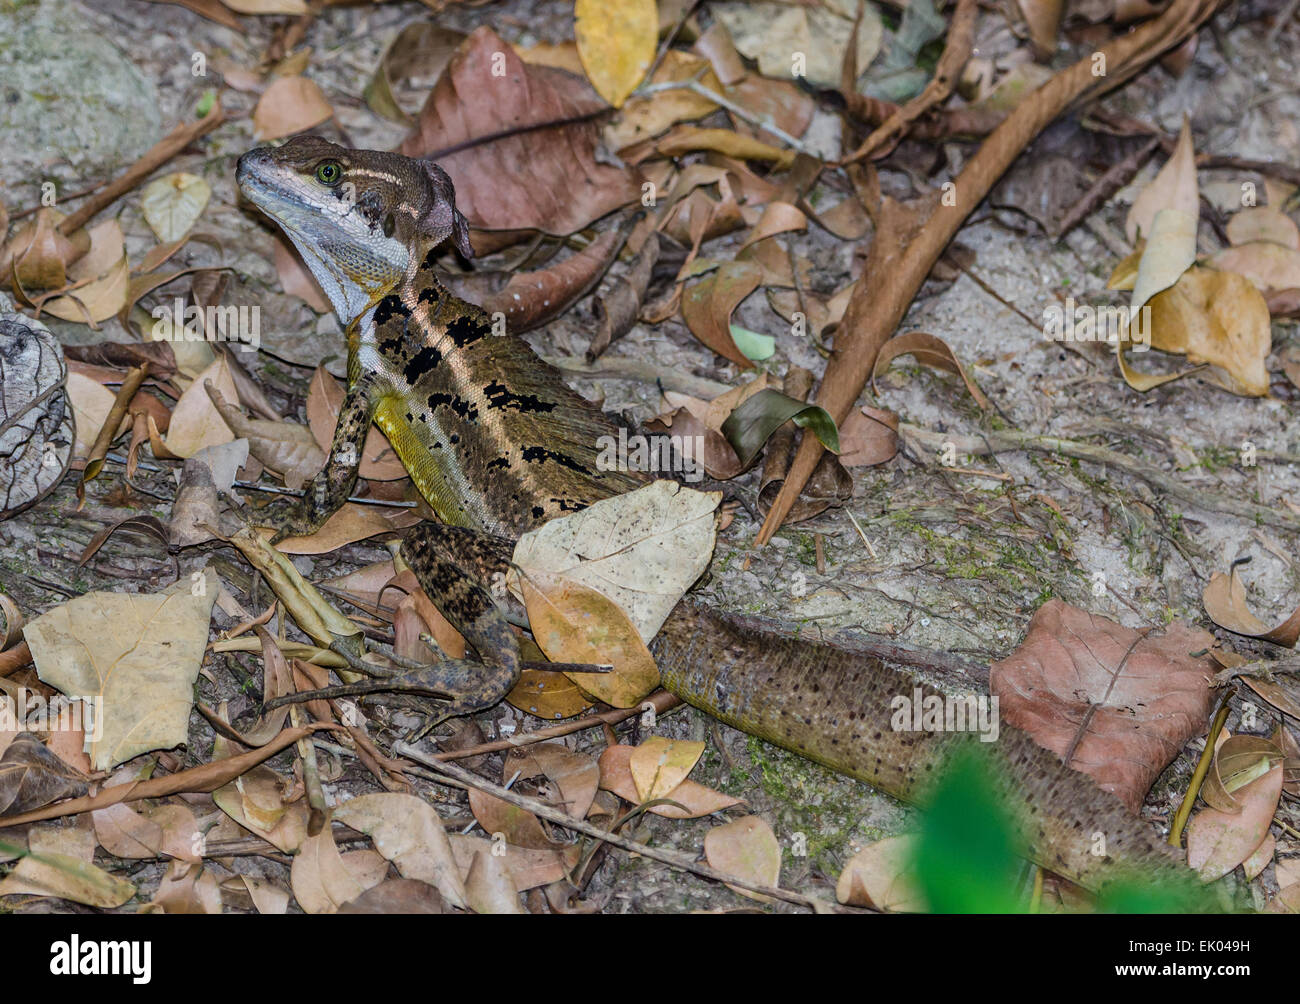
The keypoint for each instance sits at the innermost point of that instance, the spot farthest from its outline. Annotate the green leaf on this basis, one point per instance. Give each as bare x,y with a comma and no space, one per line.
966,861
755,419
752,344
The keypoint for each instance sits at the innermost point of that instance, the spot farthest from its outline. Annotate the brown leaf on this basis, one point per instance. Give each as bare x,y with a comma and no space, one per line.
694,799
748,849
545,179
1224,599
290,105
323,880
659,765
1174,187
576,776
529,868
548,695
868,437
1238,760
491,887
405,896
352,521
31,776
574,623
519,826
1121,702
1263,223
186,888
1271,267
881,877
707,306
39,255
687,139
931,351
530,299
1219,841
287,448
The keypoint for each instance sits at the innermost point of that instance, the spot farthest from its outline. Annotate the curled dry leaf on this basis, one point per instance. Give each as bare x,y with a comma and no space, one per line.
39,254
1225,602
287,448
1219,841
1121,702
407,831
574,623
1043,18
649,115
37,429
323,879
1238,760
642,550
173,203
11,622
659,765
530,299
421,49
869,436
930,351
693,799
353,521
196,512
748,849
50,873
32,776
1169,252
516,826
185,888
1174,187
882,876
257,801
290,105
543,179
707,306
164,829
617,44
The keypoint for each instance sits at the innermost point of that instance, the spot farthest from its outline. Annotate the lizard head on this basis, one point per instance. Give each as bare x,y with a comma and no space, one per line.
363,220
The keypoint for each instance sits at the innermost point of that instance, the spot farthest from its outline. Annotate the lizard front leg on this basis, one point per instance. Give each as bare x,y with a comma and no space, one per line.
334,482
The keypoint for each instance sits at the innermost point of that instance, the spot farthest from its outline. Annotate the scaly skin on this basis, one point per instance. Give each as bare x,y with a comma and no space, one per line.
498,445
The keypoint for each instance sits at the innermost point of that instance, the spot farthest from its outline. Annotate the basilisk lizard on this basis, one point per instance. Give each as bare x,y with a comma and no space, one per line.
498,444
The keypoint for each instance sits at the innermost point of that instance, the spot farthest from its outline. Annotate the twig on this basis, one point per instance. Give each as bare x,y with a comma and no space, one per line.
894,274
763,122
1202,768
549,812
1104,187
157,155
957,49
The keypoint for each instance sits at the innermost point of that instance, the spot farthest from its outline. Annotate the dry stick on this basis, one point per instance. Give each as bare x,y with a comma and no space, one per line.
881,298
540,808
157,155
661,700
1198,776
957,49
991,442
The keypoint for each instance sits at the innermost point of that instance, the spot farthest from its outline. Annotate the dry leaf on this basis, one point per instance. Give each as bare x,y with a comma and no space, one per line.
1138,695
573,623
137,653
290,105
617,44
287,448
407,831
1174,187
642,550
748,849
64,876
32,776
1224,599
195,422
1219,841
659,765
881,877
1271,267
323,880
173,203
693,799
1263,223
490,886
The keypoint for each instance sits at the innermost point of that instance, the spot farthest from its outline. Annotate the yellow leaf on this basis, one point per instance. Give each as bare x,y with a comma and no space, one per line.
659,765
616,42
574,623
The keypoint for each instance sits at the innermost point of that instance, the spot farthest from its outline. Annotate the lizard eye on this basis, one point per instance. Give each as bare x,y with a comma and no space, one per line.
389,225
328,172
